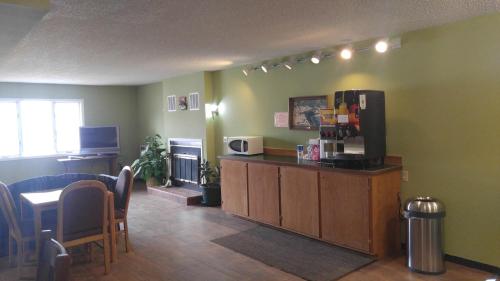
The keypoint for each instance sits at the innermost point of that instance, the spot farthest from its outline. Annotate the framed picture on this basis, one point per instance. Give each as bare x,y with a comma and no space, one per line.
183,103
304,112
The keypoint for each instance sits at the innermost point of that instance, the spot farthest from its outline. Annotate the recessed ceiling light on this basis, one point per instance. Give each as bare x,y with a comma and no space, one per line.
346,54
381,46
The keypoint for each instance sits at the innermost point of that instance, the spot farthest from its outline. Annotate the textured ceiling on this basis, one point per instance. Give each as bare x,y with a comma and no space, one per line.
105,42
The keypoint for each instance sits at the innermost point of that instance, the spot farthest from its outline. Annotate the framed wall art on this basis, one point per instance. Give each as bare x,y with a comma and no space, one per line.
304,112
182,103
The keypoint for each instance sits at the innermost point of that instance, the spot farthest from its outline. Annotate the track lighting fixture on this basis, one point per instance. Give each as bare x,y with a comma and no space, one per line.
346,54
316,58
381,46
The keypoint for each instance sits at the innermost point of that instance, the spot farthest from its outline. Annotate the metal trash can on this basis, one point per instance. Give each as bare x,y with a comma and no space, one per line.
425,235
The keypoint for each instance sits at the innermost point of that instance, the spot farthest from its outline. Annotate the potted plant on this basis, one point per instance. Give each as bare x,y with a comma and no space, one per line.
210,187
152,162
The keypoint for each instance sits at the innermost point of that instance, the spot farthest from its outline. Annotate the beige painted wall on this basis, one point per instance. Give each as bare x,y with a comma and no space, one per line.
103,105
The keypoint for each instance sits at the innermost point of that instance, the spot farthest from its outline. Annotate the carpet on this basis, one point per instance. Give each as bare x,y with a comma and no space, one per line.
306,258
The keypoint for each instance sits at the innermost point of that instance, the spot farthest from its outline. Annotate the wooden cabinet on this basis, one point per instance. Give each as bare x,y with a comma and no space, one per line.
345,209
300,200
234,189
354,209
263,193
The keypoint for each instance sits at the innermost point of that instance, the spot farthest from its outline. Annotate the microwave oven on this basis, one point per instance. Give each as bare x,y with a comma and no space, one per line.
245,145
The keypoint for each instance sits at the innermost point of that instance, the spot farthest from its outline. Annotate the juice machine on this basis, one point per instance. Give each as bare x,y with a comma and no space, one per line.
352,133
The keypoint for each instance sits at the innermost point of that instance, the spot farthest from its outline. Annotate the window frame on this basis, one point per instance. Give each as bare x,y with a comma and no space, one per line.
54,134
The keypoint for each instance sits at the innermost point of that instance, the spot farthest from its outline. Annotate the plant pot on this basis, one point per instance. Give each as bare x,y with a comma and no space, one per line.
211,194
152,182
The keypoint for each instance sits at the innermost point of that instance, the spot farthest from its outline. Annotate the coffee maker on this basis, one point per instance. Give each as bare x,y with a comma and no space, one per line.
352,134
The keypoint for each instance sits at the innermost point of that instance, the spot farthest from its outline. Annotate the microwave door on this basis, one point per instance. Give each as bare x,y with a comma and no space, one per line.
236,145
244,146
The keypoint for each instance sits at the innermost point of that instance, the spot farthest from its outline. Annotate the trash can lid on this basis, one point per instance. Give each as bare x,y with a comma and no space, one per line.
424,205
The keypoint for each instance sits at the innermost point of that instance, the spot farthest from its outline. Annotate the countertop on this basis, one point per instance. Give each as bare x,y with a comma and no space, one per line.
292,161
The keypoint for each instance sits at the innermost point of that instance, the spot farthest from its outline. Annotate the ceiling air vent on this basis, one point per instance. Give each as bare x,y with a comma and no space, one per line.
171,103
194,101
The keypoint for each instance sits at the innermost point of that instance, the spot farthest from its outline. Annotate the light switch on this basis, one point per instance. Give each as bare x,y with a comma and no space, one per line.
362,101
404,175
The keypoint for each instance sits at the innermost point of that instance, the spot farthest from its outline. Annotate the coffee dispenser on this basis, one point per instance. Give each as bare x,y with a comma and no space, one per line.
352,134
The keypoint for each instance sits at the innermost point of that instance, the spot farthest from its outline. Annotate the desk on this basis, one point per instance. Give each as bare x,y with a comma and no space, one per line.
72,161
48,200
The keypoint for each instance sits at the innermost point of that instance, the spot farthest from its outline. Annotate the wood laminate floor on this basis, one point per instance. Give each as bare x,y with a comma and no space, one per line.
172,242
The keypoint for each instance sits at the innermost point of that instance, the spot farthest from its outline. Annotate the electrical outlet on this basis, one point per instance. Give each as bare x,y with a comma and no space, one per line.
404,175
224,139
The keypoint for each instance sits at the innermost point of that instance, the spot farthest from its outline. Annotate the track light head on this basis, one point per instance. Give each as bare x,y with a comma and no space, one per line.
264,67
381,46
346,54
287,65
245,71
316,58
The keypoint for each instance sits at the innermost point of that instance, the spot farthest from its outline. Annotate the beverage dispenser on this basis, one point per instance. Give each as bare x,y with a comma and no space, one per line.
352,134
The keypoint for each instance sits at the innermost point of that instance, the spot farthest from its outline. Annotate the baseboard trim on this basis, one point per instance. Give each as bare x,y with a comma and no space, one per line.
474,264
466,262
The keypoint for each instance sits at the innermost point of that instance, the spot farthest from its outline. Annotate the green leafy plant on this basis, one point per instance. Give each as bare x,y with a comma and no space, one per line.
210,176
152,163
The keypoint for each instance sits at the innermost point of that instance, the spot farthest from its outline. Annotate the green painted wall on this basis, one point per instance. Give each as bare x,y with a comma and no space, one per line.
210,120
103,105
184,123
150,110
442,98
154,117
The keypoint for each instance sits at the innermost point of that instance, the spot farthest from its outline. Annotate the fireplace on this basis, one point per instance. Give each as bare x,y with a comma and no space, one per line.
185,160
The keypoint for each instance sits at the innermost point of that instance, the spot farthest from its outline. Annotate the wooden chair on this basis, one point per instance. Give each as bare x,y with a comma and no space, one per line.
82,216
20,232
53,262
123,190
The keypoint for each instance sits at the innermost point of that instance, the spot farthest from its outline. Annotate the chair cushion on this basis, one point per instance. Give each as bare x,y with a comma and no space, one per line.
83,210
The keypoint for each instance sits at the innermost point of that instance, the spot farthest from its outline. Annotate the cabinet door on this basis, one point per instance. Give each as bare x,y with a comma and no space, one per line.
234,187
345,209
263,193
299,200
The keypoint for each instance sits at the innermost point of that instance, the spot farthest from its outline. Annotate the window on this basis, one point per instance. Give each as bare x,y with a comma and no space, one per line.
39,127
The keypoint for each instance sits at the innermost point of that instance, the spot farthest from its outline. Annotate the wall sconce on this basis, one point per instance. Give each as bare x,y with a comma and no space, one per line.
214,109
